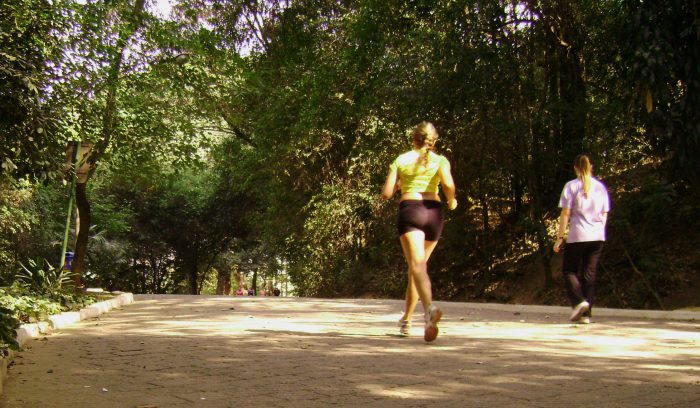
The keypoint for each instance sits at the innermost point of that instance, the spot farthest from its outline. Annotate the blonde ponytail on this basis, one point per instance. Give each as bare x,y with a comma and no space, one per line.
584,170
424,137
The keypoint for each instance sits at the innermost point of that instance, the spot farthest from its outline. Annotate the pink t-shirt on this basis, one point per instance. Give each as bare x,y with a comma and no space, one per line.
587,214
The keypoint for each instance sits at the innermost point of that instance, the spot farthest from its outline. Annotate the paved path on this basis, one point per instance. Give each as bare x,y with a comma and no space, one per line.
180,351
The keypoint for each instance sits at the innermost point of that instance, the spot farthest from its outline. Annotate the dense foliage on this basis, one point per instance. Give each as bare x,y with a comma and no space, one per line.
252,137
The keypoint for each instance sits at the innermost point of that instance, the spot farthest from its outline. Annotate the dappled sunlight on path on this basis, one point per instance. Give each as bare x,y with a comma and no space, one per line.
184,351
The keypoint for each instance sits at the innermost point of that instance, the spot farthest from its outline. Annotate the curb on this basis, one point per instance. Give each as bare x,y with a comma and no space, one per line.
599,311
30,331
27,332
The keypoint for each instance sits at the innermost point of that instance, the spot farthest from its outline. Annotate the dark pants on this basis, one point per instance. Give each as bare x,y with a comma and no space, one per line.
580,265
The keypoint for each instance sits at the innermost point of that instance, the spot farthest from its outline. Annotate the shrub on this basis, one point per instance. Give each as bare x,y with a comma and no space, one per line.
44,279
8,324
26,308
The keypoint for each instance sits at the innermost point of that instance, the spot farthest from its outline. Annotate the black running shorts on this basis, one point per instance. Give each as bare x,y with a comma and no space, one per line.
421,215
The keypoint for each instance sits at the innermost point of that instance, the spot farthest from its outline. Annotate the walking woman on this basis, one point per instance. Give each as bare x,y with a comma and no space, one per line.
417,174
585,202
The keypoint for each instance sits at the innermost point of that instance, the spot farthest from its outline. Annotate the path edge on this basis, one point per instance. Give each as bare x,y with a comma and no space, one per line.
29,331
680,314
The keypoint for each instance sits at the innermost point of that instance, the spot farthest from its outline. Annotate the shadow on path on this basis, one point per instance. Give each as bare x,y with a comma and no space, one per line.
186,351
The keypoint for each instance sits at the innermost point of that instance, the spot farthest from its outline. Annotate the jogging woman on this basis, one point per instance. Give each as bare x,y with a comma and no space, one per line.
417,173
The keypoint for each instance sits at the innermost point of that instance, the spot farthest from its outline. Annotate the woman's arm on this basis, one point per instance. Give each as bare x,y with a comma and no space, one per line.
448,185
391,184
561,232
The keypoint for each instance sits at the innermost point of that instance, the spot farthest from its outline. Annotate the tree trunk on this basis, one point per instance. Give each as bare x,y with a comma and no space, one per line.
573,113
567,40
255,282
240,281
545,252
82,231
108,121
223,283
484,245
191,271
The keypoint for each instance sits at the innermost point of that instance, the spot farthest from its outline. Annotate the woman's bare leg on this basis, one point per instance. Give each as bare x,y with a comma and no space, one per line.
411,291
411,299
413,244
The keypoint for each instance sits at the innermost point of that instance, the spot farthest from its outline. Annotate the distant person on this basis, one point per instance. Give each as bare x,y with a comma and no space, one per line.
239,292
251,292
276,292
585,202
417,173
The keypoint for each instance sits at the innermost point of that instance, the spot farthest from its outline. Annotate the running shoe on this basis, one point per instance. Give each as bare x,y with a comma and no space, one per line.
432,317
584,320
404,327
579,310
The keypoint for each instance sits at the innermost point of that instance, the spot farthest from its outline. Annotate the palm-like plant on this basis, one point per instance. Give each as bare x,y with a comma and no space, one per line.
43,278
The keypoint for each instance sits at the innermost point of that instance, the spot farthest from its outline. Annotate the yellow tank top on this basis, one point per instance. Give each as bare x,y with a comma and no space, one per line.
415,177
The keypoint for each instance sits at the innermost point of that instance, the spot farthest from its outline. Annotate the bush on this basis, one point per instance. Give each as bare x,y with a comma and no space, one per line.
8,324
18,306
27,308
39,291
45,280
